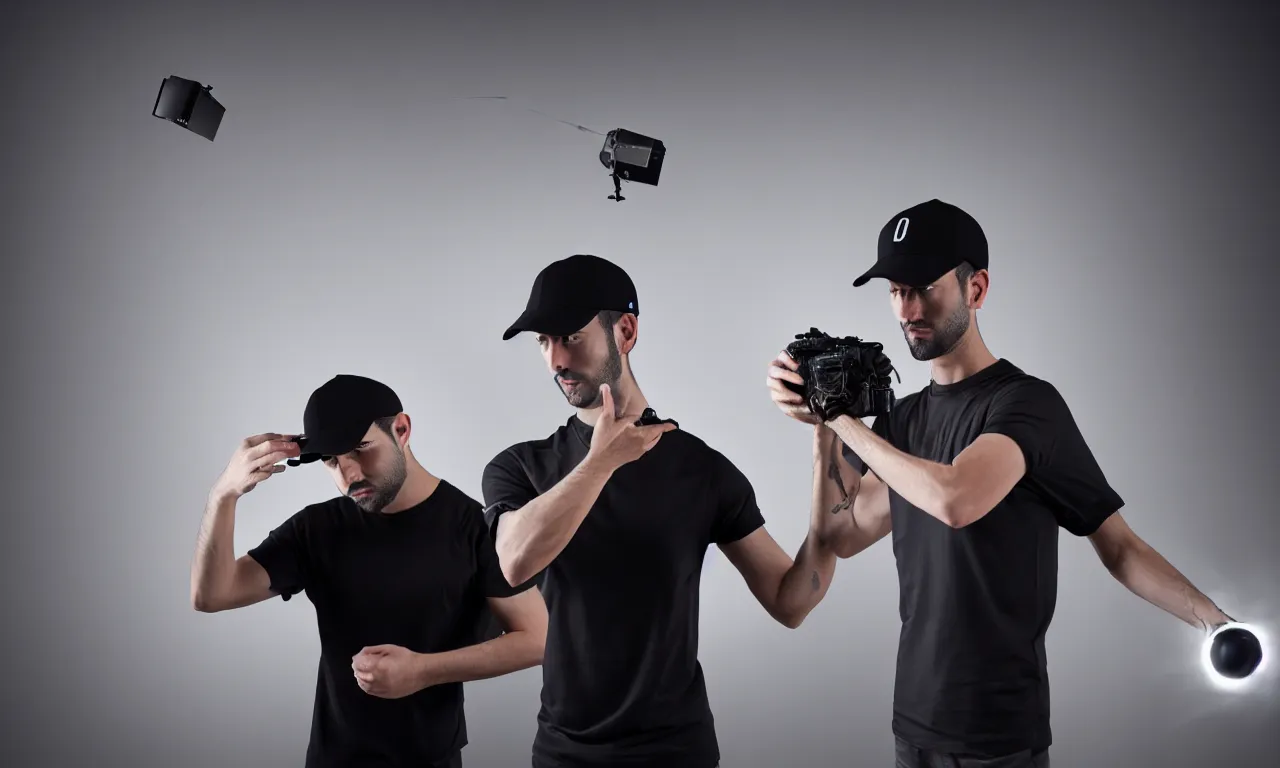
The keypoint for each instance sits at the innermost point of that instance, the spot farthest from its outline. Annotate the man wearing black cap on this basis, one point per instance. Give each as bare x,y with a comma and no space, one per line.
613,519
974,475
400,569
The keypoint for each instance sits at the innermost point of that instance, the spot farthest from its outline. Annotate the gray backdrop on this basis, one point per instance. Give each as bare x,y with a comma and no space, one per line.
167,296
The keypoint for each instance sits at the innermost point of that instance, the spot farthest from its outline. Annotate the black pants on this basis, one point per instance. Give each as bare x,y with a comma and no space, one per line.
910,756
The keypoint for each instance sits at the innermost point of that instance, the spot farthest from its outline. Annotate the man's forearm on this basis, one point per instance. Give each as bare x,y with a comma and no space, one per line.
925,484
510,652
531,537
805,584
1145,572
835,487
213,566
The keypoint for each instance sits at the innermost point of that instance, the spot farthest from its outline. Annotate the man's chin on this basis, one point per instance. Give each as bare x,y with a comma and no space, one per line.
923,350
368,503
579,398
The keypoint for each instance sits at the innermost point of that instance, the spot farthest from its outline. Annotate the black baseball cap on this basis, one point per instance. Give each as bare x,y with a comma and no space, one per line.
339,413
568,293
926,241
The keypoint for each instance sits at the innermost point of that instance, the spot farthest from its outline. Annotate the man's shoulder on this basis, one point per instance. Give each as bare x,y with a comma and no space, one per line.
1016,382
525,452
693,452
322,514
455,498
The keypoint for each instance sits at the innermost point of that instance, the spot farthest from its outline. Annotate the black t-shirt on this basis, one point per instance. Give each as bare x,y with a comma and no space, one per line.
622,685
976,601
418,579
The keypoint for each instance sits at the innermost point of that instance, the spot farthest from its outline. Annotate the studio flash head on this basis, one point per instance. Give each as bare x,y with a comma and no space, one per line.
188,104
630,156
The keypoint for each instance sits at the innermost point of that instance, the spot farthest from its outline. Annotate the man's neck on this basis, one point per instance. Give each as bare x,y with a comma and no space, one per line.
627,399
969,357
418,486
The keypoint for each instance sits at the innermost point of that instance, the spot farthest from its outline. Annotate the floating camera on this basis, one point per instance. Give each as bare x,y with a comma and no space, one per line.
188,104
632,157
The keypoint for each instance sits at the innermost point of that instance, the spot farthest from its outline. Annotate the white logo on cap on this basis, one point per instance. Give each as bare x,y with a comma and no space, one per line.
900,232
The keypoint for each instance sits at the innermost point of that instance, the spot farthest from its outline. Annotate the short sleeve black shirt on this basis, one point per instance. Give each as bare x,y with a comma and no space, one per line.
622,684
976,602
419,579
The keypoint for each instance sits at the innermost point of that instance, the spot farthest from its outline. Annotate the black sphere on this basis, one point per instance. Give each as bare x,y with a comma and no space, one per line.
1235,653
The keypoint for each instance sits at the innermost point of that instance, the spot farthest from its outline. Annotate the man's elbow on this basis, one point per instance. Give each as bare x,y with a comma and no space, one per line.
960,512
791,620
509,560
514,566
789,616
203,603
959,504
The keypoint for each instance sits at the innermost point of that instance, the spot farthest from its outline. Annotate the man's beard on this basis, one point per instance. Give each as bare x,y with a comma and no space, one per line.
943,339
587,392
385,489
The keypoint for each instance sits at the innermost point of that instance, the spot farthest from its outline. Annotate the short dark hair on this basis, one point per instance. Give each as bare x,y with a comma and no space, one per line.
964,271
609,318
384,423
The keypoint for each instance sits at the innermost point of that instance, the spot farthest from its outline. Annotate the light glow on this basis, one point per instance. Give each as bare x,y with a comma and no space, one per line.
1228,683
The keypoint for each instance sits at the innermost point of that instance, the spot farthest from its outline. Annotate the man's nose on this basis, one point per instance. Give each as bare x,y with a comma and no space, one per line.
910,310
558,357
349,470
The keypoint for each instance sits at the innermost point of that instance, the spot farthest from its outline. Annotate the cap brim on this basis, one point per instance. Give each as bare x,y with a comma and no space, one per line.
331,444
560,322
905,272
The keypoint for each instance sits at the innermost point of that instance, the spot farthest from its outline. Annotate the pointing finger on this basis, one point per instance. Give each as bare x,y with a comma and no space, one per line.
606,401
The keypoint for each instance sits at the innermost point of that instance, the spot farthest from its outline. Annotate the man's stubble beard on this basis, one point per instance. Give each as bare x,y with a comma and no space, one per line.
944,339
587,393
386,490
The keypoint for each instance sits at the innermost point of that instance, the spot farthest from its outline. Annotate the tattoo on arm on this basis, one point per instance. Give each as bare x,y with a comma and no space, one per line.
833,472
815,582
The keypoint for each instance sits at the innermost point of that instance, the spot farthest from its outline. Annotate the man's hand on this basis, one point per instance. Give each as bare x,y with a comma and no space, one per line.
783,368
616,440
255,460
389,671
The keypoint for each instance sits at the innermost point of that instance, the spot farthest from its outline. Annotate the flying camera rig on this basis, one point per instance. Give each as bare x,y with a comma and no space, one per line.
630,156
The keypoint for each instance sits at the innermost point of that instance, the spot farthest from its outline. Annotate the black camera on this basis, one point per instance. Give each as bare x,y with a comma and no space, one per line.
842,375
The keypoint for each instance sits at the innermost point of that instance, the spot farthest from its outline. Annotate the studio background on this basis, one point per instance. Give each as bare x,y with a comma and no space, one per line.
167,296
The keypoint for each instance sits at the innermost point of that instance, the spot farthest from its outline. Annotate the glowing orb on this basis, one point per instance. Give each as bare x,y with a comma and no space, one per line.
1232,654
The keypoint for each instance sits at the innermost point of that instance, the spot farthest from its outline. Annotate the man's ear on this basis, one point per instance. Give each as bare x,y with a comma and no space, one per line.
626,332
978,284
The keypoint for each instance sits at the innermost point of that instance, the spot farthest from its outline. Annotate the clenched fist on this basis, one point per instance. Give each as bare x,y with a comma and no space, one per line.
388,671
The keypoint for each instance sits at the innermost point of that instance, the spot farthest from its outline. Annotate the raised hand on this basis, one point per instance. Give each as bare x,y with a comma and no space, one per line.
255,460
616,439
